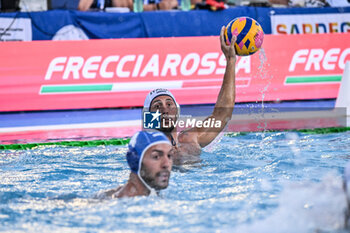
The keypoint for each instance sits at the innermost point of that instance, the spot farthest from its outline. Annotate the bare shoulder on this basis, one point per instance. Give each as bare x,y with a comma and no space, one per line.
112,193
188,145
188,136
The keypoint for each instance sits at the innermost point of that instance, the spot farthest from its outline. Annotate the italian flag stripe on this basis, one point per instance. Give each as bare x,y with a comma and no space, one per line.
46,89
312,79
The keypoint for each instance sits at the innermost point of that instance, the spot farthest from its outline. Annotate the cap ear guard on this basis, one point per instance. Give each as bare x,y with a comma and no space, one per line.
133,160
178,109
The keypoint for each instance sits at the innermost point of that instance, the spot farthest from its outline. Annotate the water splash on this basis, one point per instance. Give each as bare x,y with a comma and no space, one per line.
262,58
263,73
293,141
306,207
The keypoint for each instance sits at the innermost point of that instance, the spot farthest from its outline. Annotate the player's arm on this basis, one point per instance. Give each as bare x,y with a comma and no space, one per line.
226,100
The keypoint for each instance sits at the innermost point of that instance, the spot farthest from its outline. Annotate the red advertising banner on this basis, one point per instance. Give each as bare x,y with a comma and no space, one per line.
47,75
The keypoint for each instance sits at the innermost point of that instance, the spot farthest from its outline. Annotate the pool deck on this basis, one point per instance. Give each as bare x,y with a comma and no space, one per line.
48,126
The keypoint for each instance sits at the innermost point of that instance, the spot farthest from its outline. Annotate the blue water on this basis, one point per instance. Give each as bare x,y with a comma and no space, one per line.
259,182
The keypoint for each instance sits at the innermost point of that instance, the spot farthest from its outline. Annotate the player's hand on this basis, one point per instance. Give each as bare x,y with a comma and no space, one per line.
228,50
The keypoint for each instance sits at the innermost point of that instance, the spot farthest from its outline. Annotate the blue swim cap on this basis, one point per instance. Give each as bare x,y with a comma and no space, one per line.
138,145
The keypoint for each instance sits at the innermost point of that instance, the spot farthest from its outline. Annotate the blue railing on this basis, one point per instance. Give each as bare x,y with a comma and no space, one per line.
98,25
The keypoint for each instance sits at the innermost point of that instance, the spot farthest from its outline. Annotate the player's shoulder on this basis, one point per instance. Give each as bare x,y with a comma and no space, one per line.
188,135
111,193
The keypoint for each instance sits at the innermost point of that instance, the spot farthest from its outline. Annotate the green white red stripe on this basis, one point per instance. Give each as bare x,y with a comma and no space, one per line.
316,79
137,86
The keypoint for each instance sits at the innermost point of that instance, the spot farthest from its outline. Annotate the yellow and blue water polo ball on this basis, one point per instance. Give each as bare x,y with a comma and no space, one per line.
249,35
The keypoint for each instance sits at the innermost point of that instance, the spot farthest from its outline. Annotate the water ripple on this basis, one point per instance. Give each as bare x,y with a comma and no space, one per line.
242,184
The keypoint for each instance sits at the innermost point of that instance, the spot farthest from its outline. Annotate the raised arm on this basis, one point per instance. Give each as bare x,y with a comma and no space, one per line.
226,100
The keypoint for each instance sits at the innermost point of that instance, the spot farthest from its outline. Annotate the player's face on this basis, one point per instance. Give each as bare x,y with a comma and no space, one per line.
156,166
166,105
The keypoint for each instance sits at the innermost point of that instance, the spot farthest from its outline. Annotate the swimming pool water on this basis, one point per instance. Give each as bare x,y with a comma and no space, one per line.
258,182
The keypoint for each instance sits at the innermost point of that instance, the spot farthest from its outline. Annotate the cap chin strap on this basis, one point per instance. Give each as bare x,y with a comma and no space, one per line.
153,192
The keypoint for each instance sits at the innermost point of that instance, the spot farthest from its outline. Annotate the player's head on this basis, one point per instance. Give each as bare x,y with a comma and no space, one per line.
149,157
164,101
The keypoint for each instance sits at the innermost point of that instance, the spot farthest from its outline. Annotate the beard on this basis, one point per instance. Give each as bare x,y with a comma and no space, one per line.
152,180
169,127
167,130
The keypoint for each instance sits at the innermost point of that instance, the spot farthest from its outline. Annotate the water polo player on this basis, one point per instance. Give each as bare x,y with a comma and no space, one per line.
150,162
188,143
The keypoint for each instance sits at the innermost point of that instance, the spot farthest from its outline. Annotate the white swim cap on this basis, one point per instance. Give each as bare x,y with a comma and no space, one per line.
154,94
